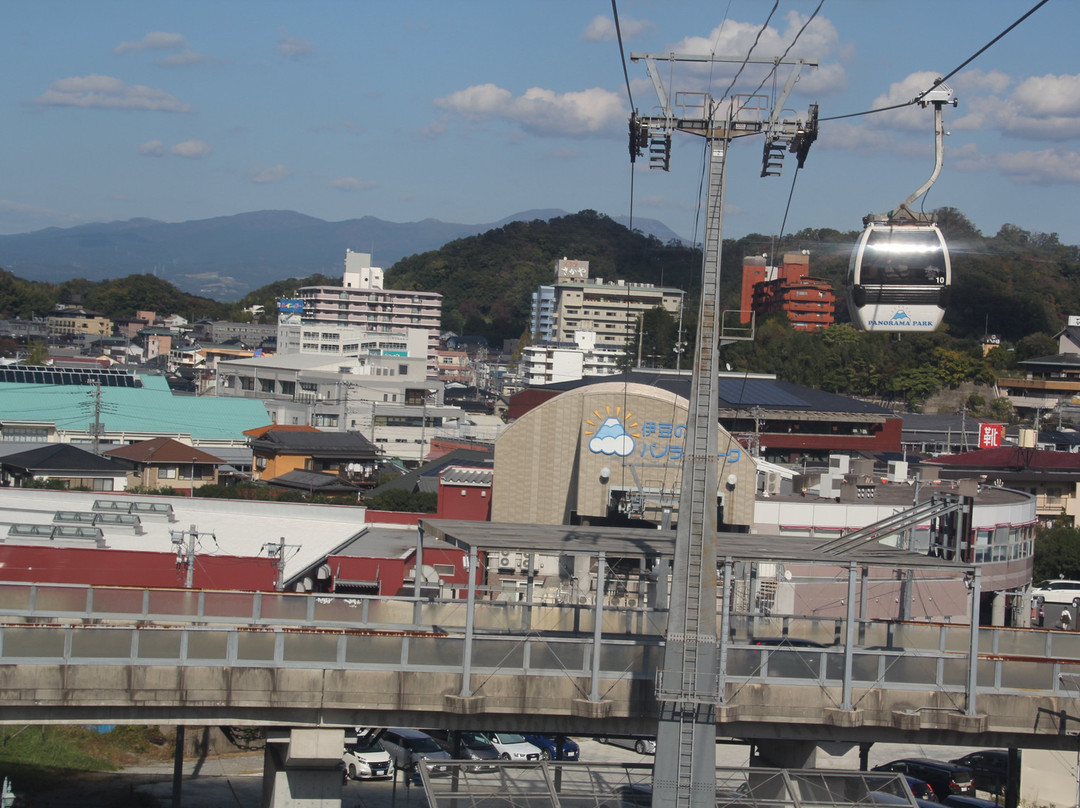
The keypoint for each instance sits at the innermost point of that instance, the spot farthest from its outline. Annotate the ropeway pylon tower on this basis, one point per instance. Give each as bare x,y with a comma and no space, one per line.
689,687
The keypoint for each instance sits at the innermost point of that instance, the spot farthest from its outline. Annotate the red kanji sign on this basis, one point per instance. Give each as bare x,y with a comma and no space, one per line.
991,435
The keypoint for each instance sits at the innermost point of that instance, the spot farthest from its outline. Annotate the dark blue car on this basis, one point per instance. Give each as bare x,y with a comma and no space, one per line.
549,747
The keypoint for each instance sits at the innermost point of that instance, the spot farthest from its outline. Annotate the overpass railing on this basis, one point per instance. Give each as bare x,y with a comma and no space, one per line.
45,623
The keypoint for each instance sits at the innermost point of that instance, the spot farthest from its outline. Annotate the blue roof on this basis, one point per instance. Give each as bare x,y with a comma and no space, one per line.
152,408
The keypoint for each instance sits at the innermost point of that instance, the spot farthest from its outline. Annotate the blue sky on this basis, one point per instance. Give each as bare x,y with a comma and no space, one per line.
471,111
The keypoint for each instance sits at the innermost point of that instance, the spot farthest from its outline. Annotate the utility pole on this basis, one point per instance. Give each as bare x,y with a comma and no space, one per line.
691,683
184,544
96,426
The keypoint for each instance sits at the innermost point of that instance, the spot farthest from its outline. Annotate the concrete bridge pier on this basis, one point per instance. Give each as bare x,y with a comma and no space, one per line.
785,754
300,768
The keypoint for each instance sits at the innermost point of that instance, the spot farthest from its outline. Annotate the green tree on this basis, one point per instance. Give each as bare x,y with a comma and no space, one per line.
37,353
1057,552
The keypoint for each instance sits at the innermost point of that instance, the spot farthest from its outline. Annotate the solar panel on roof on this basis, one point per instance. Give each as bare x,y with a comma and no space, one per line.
108,377
749,392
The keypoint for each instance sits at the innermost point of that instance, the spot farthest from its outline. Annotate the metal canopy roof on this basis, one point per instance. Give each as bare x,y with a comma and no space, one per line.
642,542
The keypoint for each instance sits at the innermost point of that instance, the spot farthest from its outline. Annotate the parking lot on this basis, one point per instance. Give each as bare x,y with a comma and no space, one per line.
236,780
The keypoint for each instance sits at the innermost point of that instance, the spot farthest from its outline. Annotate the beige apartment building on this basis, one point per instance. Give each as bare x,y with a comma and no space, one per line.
576,303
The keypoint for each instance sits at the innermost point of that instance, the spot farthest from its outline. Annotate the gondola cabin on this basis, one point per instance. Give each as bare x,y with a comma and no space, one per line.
899,278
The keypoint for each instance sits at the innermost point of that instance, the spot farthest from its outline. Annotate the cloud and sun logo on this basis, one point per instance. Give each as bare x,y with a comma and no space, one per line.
614,436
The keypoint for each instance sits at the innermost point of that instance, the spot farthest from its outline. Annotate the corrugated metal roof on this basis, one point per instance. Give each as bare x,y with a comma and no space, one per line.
461,475
152,409
741,392
631,543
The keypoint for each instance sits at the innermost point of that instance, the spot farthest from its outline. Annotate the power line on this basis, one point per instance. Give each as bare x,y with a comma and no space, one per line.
622,53
948,75
761,30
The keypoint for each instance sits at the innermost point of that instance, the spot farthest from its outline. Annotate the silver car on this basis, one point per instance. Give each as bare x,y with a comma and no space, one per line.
643,746
409,747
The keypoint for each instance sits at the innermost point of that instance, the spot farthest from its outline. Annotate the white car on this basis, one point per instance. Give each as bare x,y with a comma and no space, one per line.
643,746
367,760
512,746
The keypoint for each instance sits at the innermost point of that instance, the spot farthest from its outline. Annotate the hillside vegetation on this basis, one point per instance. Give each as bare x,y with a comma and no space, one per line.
1015,284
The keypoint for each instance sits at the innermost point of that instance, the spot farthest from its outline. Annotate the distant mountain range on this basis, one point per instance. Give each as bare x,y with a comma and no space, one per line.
226,257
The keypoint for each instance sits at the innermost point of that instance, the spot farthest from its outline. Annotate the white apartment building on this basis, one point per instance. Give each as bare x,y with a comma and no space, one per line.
333,340
551,362
576,302
362,302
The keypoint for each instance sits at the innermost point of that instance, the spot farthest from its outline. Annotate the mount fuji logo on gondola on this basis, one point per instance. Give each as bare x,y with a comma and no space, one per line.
902,318
611,437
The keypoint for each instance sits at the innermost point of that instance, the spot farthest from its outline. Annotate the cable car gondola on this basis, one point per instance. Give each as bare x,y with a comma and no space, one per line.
900,277
900,274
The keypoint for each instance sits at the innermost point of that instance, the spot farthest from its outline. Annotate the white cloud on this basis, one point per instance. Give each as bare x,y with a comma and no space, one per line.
152,148
602,29
156,40
972,81
538,110
191,149
476,103
1045,167
292,47
731,38
106,92
351,184
263,174
1040,107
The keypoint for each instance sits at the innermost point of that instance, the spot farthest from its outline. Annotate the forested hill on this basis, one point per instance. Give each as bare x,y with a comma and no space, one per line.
487,280
1012,284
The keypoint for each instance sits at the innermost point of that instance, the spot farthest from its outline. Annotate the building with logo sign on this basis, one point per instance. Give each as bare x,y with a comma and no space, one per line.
606,452
778,421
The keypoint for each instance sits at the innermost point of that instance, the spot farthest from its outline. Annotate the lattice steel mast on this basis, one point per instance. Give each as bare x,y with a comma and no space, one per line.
689,685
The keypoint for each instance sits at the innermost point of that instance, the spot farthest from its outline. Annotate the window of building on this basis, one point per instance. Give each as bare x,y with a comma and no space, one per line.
327,420
167,473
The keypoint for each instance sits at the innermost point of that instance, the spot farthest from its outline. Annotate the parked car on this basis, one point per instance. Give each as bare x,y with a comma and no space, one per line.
367,759
549,747
991,767
408,747
920,789
472,746
1057,590
512,746
887,798
945,778
643,746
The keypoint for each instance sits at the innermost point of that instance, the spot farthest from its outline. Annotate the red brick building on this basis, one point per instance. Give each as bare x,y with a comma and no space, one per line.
808,302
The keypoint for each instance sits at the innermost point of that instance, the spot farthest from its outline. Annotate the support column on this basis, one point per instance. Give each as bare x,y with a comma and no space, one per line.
973,647
598,625
997,609
849,636
300,768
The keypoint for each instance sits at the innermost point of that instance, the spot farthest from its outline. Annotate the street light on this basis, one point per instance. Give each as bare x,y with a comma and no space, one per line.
191,491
